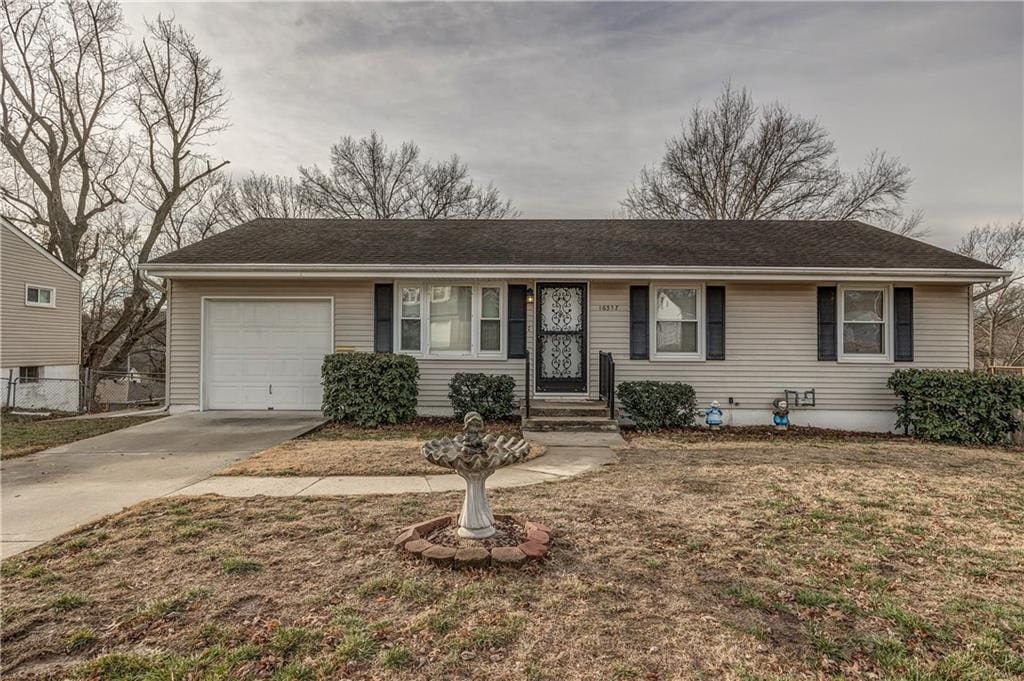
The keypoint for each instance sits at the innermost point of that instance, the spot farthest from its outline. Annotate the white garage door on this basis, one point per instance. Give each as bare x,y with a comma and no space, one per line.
265,354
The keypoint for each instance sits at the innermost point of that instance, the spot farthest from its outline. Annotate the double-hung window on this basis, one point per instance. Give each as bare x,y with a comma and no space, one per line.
40,296
677,320
450,319
864,313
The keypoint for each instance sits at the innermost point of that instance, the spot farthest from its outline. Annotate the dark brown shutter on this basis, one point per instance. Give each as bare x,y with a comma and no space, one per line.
516,321
903,299
715,322
639,328
383,311
827,335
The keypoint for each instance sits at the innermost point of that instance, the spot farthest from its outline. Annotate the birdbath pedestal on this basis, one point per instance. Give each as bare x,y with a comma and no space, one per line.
475,456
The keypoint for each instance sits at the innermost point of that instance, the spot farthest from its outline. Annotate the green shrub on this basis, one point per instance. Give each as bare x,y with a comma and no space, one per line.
958,406
370,389
652,404
493,397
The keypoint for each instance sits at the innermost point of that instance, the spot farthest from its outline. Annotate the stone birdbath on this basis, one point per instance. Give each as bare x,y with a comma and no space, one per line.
475,456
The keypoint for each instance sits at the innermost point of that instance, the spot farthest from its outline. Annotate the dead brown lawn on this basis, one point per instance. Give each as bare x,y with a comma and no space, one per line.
343,457
729,560
338,457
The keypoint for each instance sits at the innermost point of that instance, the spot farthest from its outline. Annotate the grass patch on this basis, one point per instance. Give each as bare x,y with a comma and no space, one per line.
79,639
23,435
68,602
240,566
396,658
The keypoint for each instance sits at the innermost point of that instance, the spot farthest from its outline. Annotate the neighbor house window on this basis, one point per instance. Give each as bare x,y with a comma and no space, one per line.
865,312
40,296
29,374
677,321
450,319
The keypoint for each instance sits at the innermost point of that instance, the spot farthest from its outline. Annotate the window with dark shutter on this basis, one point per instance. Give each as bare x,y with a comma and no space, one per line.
715,322
903,303
827,324
383,310
516,321
639,327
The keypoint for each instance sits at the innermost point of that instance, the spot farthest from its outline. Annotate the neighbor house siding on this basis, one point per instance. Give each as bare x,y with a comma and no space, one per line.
37,336
353,328
771,345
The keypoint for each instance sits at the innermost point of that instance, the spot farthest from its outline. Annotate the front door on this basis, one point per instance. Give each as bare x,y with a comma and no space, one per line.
561,338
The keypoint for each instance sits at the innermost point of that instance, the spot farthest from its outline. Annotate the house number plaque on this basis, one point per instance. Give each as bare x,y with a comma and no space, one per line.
608,308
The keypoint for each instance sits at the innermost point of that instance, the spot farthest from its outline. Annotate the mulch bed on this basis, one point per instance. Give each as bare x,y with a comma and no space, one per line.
507,533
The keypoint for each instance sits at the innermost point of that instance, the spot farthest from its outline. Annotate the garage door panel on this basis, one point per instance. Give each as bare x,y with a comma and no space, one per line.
263,354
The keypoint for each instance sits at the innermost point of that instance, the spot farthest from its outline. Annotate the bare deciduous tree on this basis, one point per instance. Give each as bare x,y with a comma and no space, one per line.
178,100
265,196
367,179
737,161
104,147
999,308
64,66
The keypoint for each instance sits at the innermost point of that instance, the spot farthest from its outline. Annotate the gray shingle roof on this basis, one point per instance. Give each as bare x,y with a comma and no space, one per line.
622,243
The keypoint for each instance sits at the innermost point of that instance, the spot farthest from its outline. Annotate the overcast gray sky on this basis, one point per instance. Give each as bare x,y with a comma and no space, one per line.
561,104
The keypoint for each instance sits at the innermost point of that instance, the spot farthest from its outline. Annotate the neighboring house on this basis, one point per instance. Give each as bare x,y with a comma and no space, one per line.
40,325
740,310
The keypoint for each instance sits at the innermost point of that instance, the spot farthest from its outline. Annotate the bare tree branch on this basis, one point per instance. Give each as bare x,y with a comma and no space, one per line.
733,160
367,179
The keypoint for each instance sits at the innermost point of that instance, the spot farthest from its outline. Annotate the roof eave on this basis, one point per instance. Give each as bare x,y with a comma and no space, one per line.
464,271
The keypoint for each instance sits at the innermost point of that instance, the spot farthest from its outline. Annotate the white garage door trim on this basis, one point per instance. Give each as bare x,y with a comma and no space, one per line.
203,329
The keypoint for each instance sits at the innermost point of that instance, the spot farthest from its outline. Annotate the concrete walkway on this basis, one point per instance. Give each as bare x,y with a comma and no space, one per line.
48,493
568,454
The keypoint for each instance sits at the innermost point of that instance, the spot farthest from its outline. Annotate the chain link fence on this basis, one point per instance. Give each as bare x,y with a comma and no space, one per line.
41,394
115,390
121,390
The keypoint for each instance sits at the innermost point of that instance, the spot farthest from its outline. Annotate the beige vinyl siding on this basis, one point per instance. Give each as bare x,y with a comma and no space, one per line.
771,342
771,345
36,336
353,328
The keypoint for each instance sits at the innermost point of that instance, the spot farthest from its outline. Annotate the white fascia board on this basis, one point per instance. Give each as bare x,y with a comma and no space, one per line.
284,271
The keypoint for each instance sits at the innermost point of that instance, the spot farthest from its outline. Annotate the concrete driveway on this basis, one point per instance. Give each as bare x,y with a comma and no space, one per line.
46,494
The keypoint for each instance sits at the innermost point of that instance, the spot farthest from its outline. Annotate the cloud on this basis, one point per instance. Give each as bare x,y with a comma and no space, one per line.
561,104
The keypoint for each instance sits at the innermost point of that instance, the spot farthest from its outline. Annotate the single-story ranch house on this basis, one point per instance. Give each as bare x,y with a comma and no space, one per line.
742,310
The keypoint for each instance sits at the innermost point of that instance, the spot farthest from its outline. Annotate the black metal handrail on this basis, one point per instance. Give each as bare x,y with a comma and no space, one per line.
606,380
526,395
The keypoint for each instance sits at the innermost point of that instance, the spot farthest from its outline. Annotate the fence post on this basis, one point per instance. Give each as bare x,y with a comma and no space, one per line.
10,387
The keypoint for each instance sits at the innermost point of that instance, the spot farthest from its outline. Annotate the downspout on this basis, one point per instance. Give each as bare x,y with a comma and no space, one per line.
169,284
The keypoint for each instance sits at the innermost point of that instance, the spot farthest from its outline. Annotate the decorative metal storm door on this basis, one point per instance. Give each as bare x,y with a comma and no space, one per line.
561,338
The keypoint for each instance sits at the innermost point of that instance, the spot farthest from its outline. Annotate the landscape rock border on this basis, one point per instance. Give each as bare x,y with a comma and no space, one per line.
412,542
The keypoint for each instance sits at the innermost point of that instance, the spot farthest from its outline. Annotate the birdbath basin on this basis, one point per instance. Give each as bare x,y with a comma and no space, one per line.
475,456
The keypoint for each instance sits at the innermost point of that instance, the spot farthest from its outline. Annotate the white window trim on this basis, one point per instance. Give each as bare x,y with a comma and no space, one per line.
425,351
653,323
887,325
51,289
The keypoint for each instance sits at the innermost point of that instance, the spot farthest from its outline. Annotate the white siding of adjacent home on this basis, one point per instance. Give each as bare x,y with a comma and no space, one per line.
30,335
771,345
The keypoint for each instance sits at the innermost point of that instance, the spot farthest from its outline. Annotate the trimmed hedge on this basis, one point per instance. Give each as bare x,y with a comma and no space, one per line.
370,389
958,406
493,397
653,405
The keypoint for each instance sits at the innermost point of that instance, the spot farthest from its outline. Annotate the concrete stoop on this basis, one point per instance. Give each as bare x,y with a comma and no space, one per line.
580,416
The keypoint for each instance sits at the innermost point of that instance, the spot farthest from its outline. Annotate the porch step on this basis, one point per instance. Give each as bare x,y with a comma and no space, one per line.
578,408
586,424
